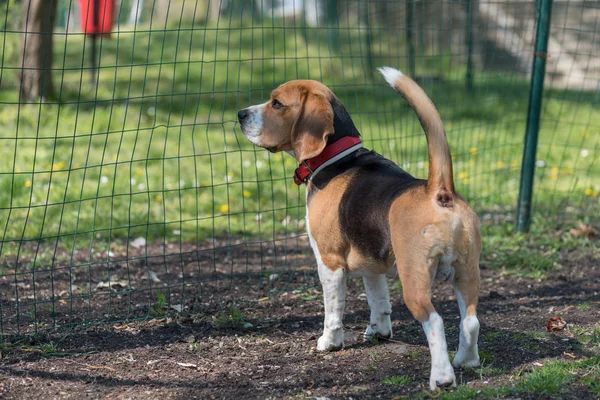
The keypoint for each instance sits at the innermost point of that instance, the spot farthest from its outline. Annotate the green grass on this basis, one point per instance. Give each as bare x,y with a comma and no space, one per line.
233,318
554,379
154,149
396,380
536,253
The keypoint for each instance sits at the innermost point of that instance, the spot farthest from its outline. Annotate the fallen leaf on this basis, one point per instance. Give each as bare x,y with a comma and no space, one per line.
584,230
570,355
154,277
177,307
555,324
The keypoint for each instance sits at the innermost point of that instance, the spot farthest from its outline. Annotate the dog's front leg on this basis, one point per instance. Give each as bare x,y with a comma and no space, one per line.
334,296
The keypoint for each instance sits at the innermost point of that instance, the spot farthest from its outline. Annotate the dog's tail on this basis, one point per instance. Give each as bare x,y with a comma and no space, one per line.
440,182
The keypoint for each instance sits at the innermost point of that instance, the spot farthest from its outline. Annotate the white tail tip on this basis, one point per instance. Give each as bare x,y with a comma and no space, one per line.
390,74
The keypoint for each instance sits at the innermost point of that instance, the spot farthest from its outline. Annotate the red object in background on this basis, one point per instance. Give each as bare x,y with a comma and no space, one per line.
100,22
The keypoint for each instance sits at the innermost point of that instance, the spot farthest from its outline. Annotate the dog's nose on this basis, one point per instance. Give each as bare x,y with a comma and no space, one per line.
242,114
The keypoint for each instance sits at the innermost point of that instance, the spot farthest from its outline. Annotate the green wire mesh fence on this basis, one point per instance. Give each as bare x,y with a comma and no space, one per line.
127,191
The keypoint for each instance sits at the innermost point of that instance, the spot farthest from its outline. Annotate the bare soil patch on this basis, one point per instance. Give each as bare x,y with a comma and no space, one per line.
223,348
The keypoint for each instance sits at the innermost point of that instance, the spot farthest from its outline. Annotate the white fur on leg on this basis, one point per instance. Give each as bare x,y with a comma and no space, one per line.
442,374
378,296
334,297
468,352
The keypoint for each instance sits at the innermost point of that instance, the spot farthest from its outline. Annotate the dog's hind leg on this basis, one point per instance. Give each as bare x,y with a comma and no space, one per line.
417,271
466,288
378,296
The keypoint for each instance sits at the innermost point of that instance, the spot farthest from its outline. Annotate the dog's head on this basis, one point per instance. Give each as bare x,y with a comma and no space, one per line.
298,118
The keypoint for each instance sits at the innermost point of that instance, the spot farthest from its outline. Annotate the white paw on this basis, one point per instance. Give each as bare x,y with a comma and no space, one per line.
466,358
379,330
442,377
331,340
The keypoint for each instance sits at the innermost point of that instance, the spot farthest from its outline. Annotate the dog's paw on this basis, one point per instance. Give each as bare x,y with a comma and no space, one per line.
469,358
442,377
378,331
331,341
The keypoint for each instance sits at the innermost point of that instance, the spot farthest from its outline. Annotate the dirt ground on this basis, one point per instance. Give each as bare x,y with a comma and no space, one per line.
265,347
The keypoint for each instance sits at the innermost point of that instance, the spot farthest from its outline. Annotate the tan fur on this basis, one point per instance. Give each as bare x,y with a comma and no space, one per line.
303,124
322,216
422,231
422,236
440,180
324,219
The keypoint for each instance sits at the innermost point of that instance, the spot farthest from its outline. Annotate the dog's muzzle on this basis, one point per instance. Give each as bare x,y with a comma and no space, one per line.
243,117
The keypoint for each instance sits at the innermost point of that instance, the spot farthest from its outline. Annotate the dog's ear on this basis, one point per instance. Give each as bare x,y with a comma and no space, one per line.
313,126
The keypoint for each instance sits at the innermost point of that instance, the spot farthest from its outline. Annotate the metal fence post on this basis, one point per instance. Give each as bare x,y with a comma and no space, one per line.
469,43
409,17
533,116
333,24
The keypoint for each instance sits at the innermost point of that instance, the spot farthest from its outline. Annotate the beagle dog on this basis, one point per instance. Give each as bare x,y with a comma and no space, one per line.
366,216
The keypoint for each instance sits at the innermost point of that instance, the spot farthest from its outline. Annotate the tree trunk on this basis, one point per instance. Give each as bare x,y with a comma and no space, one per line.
36,49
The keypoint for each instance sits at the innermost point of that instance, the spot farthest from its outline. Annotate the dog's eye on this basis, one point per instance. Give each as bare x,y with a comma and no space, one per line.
276,104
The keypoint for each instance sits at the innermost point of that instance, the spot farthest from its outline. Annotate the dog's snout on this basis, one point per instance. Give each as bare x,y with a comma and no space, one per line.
242,115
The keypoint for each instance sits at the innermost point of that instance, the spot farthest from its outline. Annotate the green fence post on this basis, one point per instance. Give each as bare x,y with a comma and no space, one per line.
533,116
332,16
469,43
409,18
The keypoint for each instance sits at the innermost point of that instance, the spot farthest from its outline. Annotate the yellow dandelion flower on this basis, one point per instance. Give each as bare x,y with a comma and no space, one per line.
586,135
58,166
465,181
158,197
28,183
554,170
289,161
473,151
204,183
246,193
568,171
595,193
30,214
589,192
514,165
230,175
462,175
224,208
139,172
499,164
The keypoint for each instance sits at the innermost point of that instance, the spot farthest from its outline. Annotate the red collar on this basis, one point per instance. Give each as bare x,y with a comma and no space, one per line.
307,168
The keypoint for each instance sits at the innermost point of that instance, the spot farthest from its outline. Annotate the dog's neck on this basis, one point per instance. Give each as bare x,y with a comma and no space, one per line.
342,123
336,149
